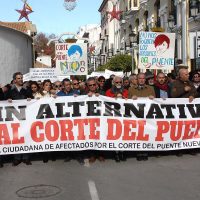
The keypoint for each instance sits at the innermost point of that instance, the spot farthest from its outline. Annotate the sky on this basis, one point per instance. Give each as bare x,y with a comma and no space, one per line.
50,16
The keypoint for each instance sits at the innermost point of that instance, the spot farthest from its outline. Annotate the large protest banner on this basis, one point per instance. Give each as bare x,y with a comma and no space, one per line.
71,59
156,50
101,123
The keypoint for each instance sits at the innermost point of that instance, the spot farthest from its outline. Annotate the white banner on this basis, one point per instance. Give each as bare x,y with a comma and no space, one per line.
156,50
101,123
41,74
71,58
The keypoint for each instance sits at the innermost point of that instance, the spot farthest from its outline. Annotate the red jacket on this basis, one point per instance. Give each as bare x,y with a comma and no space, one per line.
110,92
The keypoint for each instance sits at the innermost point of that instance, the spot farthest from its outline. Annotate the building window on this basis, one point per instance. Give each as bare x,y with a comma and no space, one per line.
135,3
130,4
173,10
197,5
156,13
145,21
130,28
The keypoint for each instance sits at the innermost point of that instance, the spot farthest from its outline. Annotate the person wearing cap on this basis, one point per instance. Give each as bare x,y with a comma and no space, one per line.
149,78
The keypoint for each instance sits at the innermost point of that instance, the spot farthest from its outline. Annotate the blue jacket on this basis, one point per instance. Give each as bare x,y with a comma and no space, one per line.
70,93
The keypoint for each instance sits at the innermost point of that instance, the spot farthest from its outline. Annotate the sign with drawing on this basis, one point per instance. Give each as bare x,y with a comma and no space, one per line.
71,59
156,50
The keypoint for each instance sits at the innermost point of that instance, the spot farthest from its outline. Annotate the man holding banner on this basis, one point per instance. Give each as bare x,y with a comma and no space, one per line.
17,92
68,91
141,90
93,90
182,87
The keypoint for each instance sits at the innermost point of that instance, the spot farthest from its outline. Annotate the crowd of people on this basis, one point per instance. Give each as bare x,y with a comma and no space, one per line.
160,85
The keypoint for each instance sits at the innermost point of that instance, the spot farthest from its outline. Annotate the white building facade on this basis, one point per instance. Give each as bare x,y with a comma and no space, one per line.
155,15
16,51
92,32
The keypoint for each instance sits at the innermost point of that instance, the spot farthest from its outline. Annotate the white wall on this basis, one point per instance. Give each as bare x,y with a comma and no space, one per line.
16,53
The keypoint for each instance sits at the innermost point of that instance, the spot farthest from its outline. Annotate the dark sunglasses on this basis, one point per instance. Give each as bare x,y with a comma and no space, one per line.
57,86
76,84
118,82
92,85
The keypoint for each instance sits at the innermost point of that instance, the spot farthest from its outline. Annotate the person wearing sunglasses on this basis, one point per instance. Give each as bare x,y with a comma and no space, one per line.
119,155
195,79
119,92
76,85
92,87
57,86
117,86
93,90
67,89
126,83
101,84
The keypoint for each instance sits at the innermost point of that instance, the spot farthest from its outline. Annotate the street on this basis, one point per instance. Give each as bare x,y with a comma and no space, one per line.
166,178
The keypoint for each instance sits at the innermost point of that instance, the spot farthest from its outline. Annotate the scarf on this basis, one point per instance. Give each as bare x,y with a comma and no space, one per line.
164,86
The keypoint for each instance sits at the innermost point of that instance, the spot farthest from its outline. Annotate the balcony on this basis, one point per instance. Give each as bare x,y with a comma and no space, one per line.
132,10
143,1
133,7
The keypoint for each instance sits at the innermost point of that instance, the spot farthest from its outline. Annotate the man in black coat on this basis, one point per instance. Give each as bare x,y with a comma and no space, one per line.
17,92
161,87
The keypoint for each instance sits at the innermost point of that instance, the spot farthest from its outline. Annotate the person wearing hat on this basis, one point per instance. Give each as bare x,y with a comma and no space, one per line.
149,78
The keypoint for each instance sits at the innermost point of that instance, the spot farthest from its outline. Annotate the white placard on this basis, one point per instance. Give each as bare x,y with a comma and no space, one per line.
156,50
71,59
41,74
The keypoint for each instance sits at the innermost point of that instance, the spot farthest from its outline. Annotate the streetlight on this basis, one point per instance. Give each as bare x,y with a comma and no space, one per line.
42,51
122,50
102,59
133,44
171,22
127,48
171,25
110,53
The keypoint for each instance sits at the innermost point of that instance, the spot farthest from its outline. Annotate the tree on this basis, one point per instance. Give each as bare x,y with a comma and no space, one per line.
40,42
118,63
